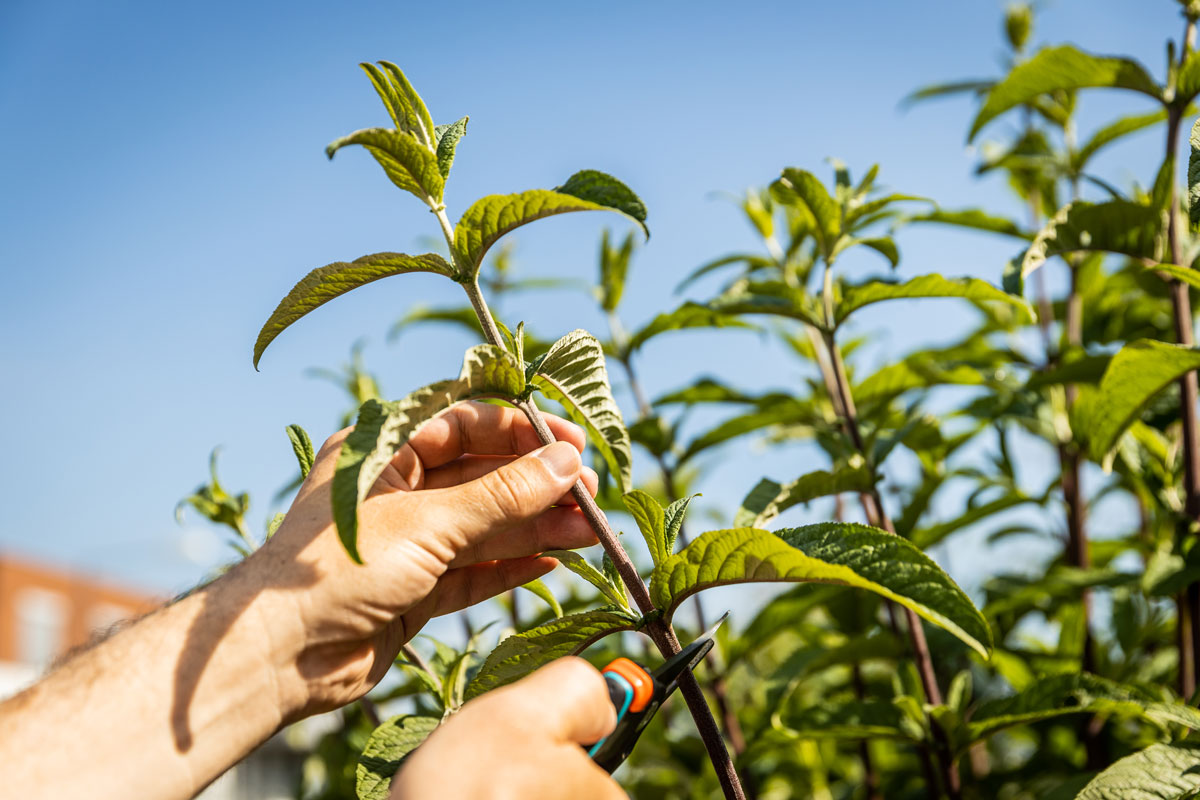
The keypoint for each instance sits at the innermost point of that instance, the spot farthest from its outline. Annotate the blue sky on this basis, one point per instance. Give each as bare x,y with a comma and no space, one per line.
164,185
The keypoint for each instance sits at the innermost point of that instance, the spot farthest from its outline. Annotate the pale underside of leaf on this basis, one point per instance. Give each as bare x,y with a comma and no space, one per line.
1160,772
386,750
839,553
924,286
333,280
384,427
522,653
769,499
573,374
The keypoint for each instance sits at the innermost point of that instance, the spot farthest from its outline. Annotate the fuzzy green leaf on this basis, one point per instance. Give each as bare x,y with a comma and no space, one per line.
303,448
1160,772
614,266
447,137
404,105
408,164
651,521
1138,372
333,280
1061,69
769,499
384,427
386,749
1112,132
833,552
573,374
975,289
800,188
769,297
1057,695
522,653
584,569
689,315
493,216
971,218
1117,226
539,589
673,519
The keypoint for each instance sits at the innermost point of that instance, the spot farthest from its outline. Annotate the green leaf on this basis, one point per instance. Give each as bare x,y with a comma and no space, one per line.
408,164
673,519
688,315
971,218
848,719
1111,133
769,297
1061,68
1160,772
975,289
302,447
1193,175
769,499
789,411
333,280
1079,693
1171,271
832,552
540,589
386,750
614,266
797,187
584,569
1117,226
1187,83
1138,372
491,217
522,653
462,317
384,427
404,105
651,521
913,373
882,245
1085,369
447,137
573,374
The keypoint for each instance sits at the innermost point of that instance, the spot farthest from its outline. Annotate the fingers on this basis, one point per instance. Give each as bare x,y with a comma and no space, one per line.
468,468
568,698
518,491
466,586
484,429
563,528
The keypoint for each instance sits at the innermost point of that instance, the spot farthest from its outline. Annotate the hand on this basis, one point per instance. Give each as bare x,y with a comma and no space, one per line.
458,516
520,741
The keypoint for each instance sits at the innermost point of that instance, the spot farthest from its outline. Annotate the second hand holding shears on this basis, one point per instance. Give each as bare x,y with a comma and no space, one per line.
637,694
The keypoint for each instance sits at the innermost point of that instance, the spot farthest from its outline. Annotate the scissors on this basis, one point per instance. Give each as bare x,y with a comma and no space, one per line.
637,694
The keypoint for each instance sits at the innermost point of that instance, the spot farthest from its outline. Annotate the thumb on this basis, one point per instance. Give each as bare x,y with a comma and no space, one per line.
567,698
515,492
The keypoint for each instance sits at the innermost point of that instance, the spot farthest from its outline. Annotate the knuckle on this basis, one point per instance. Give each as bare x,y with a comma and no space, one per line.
333,444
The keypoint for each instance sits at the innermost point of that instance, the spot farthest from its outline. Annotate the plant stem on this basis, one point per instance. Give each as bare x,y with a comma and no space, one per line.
659,630
916,633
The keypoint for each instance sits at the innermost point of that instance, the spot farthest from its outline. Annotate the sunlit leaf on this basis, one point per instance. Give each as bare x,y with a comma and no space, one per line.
688,315
673,520
303,448
540,590
573,374
974,289
333,280
404,105
447,137
384,427
769,499
832,552
522,653
1113,132
386,750
914,373
614,266
1160,772
408,164
576,563
970,218
799,187
651,521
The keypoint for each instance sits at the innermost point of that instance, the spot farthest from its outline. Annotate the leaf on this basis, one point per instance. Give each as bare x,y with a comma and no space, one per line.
447,137
769,499
1111,133
651,521
386,749
1185,274
971,218
1057,695
404,105
882,245
1193,175
614,266
491,217
540,589
584,569
975,87
408,164
1116,226
769,297
789,411
1160,772
688,315
974,289
573,374
463,317
849,719
333,280
833,552
673,519
384,427
522,653
914,373
798,187
1085,369
1061,68
302,447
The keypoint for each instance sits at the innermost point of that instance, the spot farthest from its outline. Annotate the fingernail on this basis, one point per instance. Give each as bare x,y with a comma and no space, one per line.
562,459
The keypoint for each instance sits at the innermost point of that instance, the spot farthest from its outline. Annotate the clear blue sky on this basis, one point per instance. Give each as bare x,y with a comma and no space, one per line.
163,185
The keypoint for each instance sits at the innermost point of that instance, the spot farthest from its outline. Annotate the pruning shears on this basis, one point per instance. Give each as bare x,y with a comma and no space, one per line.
637,694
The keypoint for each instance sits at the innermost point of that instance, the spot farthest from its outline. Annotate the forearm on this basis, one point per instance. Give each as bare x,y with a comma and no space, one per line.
162,708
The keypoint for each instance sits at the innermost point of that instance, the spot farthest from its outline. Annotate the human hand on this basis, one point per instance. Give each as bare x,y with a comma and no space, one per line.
458,516
520,741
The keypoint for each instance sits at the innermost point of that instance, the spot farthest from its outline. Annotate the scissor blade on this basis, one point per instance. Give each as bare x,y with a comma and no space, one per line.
711,632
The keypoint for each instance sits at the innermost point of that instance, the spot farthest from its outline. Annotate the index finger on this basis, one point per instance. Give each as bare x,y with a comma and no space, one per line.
483,429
